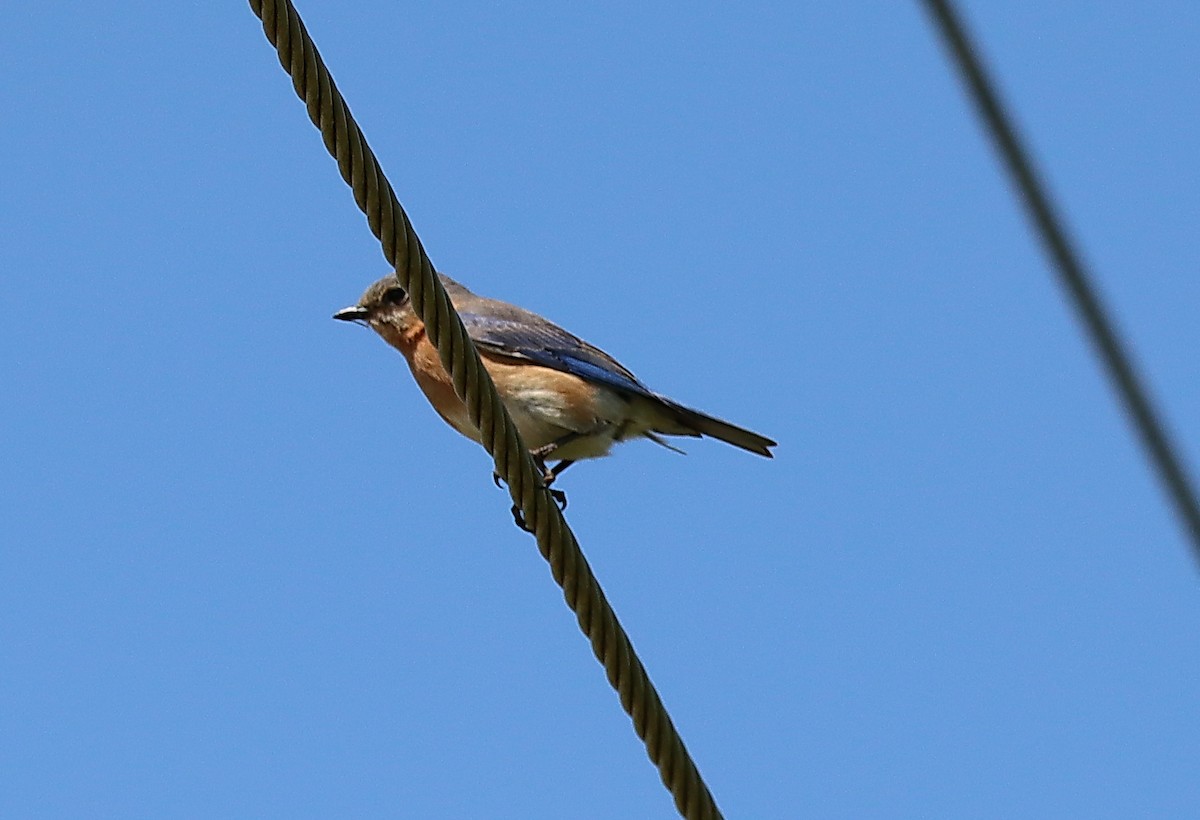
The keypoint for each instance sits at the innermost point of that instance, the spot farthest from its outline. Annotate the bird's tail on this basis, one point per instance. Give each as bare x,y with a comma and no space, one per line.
701,424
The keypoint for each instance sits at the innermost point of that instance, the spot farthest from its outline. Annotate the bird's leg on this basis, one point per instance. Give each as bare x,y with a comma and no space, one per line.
540,454
557,470
547,450
549,474
549,477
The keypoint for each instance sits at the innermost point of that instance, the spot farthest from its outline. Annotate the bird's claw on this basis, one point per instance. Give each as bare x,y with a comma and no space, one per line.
548,477
560,498
519,519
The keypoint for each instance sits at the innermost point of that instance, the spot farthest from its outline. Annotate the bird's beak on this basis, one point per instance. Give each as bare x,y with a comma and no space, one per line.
357,313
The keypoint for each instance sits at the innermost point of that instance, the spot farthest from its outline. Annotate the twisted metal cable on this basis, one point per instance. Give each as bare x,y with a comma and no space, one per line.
1071,272
375,197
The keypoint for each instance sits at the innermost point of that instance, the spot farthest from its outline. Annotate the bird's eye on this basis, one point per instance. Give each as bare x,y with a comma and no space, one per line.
394,296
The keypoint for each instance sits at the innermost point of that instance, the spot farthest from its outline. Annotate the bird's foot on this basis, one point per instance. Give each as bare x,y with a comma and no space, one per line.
519,519
560,498
549,474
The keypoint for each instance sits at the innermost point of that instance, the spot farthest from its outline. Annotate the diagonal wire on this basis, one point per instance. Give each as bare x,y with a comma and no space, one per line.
375,197
1070,269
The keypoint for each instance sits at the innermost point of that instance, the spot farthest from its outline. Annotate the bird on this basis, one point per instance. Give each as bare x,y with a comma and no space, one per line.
570,400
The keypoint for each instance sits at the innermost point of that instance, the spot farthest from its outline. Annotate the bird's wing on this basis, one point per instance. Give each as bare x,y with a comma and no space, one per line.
517,334
545,343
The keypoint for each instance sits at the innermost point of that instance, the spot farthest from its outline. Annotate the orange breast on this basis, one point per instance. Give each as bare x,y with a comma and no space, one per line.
546,404
434,381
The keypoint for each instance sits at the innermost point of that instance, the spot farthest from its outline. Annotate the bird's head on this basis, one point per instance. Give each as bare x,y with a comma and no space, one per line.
384,307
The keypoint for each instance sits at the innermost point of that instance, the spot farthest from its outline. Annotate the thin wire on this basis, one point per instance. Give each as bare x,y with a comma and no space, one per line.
1070,269
402,248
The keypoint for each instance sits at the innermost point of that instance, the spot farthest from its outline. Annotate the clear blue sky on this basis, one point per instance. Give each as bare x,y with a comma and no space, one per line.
247,572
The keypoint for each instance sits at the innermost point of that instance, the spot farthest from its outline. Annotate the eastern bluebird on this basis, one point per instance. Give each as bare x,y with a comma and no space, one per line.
569,400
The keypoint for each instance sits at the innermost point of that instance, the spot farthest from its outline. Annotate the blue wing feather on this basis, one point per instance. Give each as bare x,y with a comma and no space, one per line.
549,345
